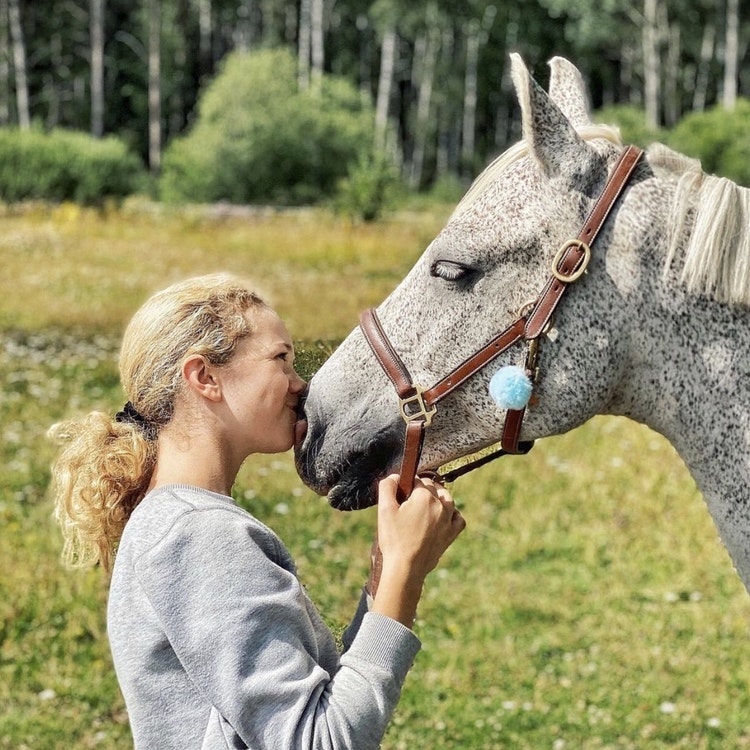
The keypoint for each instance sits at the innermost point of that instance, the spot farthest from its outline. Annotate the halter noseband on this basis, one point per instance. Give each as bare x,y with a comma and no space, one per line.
418,405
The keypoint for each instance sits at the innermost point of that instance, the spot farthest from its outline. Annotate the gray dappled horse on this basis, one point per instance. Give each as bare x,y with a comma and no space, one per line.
658,328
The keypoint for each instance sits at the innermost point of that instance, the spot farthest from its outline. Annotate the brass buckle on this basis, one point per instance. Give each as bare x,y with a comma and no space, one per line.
413,407
570,278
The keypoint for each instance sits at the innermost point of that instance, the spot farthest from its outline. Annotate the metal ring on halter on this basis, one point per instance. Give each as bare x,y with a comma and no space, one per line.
526,307
575,275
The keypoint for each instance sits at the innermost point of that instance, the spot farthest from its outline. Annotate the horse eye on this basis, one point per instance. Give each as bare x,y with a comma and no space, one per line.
449,270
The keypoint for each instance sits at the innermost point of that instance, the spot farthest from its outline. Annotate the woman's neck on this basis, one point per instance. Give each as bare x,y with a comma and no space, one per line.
196,457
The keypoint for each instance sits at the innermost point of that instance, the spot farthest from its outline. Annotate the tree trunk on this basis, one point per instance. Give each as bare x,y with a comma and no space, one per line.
19,63
445,115
671,77
96,32
205,31
470,98
154,85
365,68
426,78
476,35
651,62
51,93
385,83
243,33
504,114
4,66
731,54
702,75
303,45
317,41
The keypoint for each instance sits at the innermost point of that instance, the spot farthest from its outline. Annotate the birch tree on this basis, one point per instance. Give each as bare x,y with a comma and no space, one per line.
731,54
96,28
154,85
317,39
4,67
19,64
651,71
205,34
476,35
385,83
427,53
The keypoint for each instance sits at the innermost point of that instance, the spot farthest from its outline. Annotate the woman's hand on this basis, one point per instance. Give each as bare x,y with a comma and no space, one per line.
411,539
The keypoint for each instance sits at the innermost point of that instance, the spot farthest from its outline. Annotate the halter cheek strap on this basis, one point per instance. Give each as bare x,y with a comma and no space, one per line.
419,405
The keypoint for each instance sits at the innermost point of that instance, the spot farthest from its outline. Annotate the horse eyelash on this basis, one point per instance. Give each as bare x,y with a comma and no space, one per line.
449,270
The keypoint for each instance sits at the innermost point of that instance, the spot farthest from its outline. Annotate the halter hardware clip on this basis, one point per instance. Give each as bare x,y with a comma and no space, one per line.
413,407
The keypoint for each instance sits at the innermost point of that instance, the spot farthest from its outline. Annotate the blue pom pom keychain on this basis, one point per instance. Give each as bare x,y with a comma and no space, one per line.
511,387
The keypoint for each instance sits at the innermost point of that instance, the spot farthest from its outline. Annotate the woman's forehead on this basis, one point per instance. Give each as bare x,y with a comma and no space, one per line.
269,330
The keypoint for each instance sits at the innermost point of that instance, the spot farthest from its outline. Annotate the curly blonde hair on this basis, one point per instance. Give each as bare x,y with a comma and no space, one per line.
105,465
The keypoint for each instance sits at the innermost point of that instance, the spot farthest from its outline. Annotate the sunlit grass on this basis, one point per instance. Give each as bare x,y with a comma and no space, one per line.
589,604
71,267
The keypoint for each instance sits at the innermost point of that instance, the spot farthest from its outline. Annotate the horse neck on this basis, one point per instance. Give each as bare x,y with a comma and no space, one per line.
688,378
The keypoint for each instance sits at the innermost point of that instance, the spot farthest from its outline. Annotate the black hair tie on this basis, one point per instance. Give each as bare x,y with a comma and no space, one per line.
131,415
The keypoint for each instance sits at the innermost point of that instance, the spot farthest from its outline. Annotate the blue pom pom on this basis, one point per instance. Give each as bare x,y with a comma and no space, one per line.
510,387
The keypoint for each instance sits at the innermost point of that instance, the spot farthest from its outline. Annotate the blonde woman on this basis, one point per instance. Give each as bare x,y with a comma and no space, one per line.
214,641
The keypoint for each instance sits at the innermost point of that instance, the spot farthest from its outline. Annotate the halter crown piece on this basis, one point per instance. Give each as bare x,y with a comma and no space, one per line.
418,405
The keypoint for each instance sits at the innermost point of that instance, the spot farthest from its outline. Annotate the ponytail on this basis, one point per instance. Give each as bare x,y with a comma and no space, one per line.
100,475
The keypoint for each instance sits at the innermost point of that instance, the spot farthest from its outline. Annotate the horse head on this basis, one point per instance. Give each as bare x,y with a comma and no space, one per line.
490,261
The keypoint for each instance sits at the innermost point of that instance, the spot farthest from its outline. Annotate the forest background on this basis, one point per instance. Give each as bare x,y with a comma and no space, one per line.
590,603
357,93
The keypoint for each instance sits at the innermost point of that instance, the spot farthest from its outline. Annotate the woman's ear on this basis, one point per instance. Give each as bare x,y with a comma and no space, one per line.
200,377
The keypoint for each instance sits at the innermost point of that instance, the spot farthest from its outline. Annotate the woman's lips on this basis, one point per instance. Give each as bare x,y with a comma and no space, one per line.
300,430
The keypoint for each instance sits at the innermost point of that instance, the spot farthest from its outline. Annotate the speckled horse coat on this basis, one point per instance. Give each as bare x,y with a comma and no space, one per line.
657,330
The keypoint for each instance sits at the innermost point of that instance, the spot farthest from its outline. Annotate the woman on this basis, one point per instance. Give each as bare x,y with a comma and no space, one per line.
214,641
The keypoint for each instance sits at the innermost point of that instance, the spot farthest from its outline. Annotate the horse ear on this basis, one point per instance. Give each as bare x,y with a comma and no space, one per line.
550,136
567,90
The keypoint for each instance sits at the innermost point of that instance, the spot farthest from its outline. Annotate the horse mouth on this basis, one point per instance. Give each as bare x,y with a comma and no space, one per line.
348,481
351,494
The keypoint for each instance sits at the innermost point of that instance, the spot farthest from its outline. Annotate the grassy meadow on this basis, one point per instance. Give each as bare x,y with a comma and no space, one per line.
589,603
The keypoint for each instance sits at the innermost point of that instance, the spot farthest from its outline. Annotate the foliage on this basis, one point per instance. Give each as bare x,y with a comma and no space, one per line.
603,37
371,187
632,124
589,603
259,139
719,138
66,166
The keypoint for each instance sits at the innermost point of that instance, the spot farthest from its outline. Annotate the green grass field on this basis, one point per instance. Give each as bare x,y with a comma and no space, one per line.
589,603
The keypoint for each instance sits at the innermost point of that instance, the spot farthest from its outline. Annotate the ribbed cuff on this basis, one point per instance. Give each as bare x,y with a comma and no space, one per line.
386,643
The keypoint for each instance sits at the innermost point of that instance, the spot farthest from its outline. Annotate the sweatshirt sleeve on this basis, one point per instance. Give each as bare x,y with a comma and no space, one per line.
365,602
239,623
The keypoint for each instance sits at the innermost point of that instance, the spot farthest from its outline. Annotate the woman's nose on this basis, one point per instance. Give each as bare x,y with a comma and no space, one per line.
297,384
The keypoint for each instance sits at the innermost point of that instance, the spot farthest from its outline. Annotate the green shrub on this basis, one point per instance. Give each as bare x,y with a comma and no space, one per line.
719,138
66,166
258,139
371,187
631,121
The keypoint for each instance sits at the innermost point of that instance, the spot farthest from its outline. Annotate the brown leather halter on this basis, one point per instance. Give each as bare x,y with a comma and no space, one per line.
418,405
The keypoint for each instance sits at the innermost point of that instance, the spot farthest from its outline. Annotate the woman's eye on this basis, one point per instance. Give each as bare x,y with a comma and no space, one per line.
449,270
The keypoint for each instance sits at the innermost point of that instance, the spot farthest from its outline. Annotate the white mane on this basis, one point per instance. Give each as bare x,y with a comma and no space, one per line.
518,151
710,218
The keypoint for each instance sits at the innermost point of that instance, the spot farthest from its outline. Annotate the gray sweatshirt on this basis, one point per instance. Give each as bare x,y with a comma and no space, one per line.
216,644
